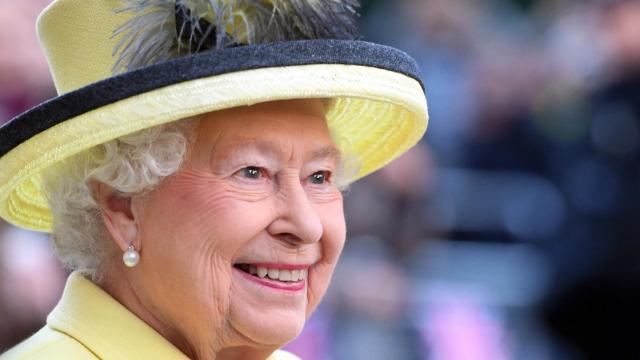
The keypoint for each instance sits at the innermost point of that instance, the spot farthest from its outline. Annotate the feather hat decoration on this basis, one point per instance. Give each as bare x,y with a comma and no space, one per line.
166,29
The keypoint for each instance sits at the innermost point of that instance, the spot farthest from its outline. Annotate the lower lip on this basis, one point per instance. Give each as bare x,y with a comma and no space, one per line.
294,286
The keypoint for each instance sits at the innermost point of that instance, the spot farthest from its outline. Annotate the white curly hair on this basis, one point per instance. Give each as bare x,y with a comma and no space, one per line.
130,165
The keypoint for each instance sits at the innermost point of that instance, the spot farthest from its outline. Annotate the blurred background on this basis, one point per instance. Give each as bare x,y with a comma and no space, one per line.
510,232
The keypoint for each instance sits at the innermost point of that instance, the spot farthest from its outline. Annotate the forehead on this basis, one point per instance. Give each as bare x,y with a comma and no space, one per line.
278,122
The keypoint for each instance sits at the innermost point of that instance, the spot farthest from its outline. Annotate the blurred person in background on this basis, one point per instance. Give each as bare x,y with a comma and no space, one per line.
600,312
31,281
31,278
24,78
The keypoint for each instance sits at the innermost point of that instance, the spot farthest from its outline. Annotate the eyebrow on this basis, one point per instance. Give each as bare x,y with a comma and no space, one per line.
271,149
326,152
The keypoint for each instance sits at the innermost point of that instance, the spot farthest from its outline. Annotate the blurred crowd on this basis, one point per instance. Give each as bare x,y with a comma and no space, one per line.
508,233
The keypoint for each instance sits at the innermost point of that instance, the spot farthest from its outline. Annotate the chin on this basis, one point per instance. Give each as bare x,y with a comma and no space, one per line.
264,312
270,328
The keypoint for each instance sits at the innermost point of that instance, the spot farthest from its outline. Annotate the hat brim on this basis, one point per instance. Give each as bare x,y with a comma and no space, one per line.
379,109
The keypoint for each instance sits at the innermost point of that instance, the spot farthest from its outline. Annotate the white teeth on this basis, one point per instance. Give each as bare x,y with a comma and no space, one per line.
278,274
285,275
274,273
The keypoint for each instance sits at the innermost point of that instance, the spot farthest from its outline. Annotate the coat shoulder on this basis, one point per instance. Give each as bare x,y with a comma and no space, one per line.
49,344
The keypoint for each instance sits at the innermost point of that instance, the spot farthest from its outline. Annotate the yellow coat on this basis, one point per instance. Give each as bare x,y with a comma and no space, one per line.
87,324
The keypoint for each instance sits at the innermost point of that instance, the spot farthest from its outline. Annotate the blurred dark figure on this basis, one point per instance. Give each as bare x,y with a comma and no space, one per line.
31,282
600,314
24,78
31,279
391,205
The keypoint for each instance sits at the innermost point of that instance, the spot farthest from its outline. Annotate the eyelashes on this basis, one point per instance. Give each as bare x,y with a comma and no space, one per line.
320,177
251,172
258,174
257,181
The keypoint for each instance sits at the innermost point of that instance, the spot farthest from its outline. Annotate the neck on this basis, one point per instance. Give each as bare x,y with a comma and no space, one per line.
117,283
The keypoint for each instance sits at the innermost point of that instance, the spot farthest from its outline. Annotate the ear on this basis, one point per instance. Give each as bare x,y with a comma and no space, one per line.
118,215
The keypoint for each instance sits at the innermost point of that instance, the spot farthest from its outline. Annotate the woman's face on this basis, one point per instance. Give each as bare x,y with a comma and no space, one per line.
256,195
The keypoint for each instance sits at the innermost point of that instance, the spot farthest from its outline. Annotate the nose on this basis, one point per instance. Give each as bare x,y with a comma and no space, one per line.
297,221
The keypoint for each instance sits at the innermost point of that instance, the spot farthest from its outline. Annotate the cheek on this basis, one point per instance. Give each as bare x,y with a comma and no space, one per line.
191,230
332,242
334,234
201,208
194,225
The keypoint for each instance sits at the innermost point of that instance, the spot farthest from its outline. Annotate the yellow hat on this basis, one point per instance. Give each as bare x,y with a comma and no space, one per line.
120,69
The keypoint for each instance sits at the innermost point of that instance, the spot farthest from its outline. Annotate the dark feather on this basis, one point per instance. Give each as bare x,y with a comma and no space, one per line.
147,38
194,34
165,29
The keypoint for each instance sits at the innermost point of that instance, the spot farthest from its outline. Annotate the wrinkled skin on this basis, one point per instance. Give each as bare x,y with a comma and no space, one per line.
249,192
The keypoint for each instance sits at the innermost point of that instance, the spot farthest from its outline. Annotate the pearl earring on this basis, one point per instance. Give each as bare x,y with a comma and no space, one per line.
131,257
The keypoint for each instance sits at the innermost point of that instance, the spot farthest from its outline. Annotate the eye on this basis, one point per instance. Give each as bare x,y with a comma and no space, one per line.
320,177
251,172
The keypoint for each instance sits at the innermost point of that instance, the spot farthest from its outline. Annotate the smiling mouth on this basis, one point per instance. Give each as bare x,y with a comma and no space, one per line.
271,273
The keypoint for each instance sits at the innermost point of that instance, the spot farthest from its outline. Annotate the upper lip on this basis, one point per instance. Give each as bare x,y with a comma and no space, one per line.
279,266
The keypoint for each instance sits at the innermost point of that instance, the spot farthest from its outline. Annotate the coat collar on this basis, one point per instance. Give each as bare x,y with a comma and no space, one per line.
95,319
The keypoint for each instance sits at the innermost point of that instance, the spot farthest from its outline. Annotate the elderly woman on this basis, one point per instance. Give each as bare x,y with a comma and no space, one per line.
191,168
